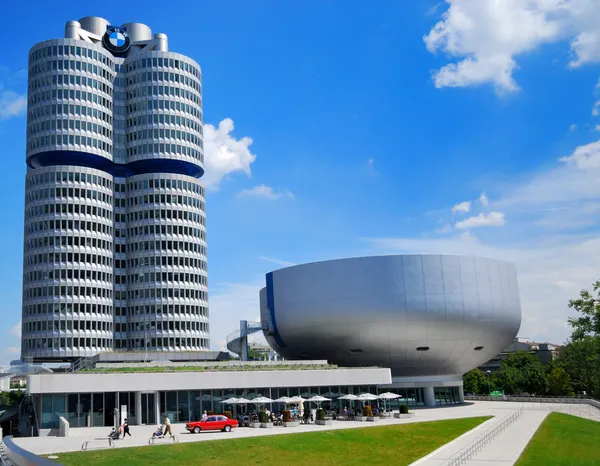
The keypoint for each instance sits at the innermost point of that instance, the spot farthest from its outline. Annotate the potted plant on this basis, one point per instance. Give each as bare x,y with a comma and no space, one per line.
288,421
367,412
228,415
403,412
263,417
255,421
322,420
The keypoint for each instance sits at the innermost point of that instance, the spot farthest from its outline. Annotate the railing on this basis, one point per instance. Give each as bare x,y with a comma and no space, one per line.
21,457
233,340
467,453
3,459
82,363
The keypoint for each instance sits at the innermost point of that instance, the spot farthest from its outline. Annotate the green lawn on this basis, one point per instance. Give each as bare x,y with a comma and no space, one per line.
216,368
398,444
563,440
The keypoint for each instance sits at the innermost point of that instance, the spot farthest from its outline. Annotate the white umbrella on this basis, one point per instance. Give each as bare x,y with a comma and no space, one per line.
300,402
283,399
388,396
318,400
230,401
261,400
242,401
366,397
349,397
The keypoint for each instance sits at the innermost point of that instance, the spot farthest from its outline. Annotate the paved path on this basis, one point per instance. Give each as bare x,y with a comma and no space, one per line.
504,450
141,434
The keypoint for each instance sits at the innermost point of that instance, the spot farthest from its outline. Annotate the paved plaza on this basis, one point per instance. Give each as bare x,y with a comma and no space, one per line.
504,450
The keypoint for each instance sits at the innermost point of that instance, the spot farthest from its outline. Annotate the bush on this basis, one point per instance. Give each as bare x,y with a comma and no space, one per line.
287,416
403,409
320,414
228,415
367,411
263,417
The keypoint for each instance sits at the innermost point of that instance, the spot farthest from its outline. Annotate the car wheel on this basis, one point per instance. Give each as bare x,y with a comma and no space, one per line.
196,430
227,429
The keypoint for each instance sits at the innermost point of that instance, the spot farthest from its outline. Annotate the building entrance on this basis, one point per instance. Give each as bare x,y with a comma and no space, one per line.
148,408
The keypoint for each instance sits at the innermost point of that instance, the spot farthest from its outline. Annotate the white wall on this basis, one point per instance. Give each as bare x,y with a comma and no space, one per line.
158,381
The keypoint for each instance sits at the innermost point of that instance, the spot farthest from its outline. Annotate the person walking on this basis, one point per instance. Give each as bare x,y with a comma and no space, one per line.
126,429
167,424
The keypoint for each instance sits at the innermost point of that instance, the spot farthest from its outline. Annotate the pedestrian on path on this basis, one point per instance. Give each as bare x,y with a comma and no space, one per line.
167,424
126,429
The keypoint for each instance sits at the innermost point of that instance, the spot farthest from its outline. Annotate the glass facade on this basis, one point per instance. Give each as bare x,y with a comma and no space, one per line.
97,409
446,396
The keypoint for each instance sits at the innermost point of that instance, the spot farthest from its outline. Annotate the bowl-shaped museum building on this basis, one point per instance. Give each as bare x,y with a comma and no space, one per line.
430,318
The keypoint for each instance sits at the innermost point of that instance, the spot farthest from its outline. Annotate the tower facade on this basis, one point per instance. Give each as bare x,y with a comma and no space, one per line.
115,227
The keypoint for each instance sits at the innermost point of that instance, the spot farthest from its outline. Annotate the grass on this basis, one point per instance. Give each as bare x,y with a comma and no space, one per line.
563,440
398,444
216,368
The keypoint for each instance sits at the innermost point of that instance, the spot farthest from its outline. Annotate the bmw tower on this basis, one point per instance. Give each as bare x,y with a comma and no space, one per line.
115,231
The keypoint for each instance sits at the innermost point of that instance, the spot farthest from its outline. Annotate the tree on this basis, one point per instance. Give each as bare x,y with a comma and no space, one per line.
581,361
559,382
510,379
523,372
474,382
581,356
588,305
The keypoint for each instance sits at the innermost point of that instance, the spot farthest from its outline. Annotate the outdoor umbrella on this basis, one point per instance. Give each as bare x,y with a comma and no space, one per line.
349,397
388,396
318,400
300,402
261,400
229,401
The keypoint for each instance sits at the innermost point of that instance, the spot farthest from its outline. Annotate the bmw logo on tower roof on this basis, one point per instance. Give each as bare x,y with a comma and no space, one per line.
116,39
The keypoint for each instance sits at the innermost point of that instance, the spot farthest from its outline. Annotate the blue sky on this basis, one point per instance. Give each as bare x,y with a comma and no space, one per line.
337,129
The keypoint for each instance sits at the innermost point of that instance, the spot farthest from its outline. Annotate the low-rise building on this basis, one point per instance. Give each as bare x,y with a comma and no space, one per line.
545,352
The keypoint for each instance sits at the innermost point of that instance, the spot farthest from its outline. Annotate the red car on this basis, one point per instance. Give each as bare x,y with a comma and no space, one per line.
212,423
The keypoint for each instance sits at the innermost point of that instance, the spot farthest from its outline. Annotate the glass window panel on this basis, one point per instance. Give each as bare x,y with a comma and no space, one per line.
59,408
98,409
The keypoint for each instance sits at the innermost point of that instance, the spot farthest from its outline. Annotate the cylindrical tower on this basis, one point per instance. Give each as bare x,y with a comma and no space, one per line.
115,237
68,263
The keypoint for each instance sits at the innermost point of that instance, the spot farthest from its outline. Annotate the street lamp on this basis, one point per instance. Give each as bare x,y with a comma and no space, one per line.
487,376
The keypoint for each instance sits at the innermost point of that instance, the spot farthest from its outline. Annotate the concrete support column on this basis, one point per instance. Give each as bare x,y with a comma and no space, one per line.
158,419
429,397
244,339
138,408
461,394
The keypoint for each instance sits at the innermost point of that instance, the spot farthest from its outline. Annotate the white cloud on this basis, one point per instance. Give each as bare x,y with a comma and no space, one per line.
464,207
484,200
12,104
224,154
573,127
596,108
16,330
277,261
265,192
371,162
585,157
493,219
486,35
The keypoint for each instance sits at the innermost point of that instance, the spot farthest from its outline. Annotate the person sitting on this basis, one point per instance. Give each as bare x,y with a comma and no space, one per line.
159,432
375,411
